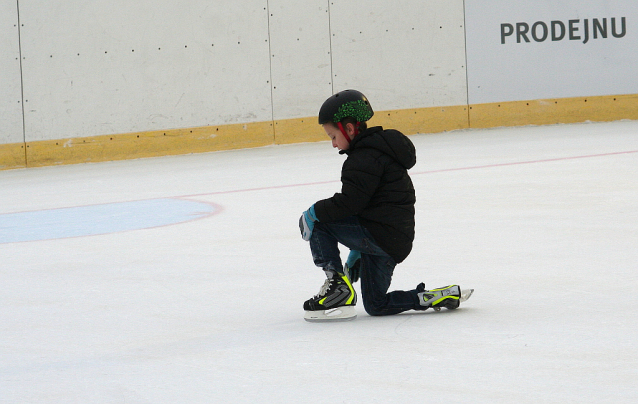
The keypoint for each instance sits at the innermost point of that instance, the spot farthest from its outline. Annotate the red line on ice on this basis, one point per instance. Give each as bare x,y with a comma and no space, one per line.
415,173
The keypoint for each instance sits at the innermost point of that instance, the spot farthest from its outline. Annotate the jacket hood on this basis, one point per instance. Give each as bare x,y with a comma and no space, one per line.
391,142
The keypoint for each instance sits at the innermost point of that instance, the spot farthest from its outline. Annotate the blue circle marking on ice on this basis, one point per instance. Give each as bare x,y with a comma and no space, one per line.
94,220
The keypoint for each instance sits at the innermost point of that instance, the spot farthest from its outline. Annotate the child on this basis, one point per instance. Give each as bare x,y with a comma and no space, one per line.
373,216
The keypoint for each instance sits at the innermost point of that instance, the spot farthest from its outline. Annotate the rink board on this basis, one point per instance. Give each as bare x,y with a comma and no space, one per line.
127,80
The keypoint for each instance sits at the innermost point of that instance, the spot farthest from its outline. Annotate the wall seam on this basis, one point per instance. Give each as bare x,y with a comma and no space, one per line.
24,130
332,76
272,94
467,77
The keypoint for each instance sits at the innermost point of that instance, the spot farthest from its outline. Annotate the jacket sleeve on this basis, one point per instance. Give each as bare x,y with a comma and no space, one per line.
360,177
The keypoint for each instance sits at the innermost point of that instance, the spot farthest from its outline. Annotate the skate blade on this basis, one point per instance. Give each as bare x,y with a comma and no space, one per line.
343,313
465,294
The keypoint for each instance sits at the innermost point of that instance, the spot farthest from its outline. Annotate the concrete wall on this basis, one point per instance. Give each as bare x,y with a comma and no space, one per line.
106,80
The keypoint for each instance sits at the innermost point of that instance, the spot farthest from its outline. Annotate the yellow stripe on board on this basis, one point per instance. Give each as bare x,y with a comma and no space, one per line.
12,156
553,111
299,130
423,120
149,144
408,121
239,136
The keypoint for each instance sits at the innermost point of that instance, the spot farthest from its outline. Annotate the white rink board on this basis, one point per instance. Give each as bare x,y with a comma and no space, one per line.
10,96
574,66
109,67
407,54
300,57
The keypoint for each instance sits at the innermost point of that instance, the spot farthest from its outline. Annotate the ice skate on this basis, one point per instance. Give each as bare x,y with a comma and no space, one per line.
449,297
334,302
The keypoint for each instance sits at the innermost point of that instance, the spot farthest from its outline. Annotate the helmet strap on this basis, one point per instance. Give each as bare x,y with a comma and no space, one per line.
345,134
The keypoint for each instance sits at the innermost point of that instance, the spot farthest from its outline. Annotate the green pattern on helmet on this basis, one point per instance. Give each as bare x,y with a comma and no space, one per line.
358,110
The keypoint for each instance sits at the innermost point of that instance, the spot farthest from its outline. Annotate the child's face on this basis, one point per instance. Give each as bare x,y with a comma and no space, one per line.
334,133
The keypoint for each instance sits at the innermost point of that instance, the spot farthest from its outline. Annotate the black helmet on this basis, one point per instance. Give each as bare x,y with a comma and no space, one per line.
345,104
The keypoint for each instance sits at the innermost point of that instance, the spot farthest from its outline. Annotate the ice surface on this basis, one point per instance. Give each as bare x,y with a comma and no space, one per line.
541,221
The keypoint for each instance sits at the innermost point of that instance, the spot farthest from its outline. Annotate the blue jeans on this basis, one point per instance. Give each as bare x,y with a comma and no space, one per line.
377,266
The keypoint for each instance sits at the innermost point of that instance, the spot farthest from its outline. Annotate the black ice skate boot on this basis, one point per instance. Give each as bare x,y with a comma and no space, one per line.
449,297
335,301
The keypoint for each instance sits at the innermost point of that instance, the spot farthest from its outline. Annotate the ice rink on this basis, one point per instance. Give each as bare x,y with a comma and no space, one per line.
181,279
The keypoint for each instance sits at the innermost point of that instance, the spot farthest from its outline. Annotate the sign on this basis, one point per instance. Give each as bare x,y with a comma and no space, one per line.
528,50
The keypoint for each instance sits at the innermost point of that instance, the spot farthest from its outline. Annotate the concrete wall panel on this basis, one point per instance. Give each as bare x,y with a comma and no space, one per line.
105,67
300,57
10,87
402,54
12,153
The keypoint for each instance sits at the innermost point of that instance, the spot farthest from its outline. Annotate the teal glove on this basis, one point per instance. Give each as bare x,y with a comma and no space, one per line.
353,266
307,223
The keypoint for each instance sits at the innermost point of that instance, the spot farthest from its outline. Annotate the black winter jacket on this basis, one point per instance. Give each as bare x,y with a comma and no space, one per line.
377,189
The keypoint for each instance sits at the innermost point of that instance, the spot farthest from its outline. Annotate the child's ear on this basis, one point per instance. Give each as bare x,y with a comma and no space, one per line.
350,129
